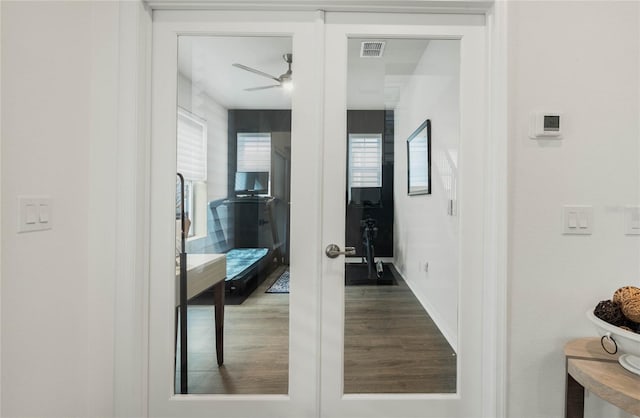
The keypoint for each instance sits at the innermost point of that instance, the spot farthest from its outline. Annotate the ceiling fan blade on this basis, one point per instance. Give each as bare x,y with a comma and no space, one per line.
261,88
258,72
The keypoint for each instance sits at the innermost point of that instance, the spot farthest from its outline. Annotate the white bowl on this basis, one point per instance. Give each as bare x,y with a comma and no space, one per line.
624,341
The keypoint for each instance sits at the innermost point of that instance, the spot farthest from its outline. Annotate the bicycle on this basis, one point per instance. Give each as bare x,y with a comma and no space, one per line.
369,234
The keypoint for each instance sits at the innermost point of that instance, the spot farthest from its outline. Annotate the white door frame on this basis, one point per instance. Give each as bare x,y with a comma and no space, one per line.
132,228
303,28
469,33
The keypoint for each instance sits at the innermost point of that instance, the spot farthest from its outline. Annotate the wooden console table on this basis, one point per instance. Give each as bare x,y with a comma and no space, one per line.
590,367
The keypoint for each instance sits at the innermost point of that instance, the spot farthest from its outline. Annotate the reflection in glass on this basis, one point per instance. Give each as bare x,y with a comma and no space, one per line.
401,287
419,160
234,152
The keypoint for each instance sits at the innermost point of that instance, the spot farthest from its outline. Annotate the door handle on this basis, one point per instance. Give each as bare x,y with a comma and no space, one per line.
332,251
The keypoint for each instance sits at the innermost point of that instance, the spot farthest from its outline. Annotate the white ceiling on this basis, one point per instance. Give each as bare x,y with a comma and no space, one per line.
373,83
376,83
207,62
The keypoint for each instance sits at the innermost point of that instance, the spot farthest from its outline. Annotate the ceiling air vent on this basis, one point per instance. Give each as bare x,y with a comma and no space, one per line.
371,49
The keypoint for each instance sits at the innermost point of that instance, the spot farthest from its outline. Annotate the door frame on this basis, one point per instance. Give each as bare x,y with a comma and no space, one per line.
469,34
302,28
131,351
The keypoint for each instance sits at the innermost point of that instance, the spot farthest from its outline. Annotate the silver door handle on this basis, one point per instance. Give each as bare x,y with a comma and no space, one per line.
332,251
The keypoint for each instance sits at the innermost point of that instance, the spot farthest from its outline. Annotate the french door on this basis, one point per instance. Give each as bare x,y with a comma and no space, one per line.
222,78
444,85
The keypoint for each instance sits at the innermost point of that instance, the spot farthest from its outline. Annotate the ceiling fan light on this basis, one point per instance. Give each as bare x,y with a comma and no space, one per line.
287,85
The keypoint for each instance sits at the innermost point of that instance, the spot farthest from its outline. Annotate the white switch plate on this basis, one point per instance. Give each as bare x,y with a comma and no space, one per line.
632,220
577,220
35,213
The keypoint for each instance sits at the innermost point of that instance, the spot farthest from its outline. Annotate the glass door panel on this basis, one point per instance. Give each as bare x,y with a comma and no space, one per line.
401,285
233,294
233,151
401,309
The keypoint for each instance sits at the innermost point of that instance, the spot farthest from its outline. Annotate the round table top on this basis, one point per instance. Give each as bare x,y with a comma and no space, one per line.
601,374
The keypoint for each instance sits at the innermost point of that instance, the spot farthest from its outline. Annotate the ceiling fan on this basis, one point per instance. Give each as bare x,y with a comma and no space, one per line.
285,80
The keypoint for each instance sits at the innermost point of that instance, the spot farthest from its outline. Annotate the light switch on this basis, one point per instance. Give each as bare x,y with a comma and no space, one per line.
573,220
35,213
577,220
43,213
583,222
30,214
632,220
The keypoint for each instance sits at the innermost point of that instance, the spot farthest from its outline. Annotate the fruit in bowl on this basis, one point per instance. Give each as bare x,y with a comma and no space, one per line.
616,339
618,324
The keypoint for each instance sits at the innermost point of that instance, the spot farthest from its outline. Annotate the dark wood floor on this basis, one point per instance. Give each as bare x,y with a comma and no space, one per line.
256,345
391,345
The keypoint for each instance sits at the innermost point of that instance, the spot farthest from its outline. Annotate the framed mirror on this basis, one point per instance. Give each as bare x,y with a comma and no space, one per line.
419,160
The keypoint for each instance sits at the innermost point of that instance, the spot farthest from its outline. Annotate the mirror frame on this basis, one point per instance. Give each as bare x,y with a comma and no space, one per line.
423,130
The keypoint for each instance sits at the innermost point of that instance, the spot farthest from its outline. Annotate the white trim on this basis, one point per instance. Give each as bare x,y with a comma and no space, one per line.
320,39
1,281
494,356
378,6
132,209
136,32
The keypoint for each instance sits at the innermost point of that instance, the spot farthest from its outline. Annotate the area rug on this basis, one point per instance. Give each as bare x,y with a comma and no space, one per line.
281,285
356,274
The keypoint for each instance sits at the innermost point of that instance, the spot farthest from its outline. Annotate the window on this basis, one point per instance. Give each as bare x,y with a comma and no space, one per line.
192,146
191,158
365,160
254,154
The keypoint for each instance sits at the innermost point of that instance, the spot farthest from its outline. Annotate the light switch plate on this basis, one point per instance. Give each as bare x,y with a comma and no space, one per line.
577,220
35,213
632,220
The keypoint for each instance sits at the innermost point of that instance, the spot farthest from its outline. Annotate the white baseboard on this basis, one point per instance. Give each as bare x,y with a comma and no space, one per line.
448,334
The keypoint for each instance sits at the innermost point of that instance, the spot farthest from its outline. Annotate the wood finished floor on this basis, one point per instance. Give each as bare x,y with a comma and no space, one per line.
391,345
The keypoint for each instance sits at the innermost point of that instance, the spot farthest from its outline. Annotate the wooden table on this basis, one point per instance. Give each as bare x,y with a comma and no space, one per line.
590,367
204,271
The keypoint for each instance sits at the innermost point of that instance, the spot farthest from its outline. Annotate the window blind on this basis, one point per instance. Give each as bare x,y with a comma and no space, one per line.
192,146
254,152
365,160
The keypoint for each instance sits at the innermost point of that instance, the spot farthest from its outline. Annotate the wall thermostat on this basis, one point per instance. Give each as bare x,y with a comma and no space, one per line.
545,125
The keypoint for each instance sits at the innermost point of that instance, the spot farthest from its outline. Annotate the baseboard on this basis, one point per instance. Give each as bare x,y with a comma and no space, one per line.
433,313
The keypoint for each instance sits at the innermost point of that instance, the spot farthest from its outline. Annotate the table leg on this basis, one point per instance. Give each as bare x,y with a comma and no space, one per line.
218,292
574,399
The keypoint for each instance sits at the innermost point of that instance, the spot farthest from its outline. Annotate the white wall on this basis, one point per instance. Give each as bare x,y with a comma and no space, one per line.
59,78
580,58
423,230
